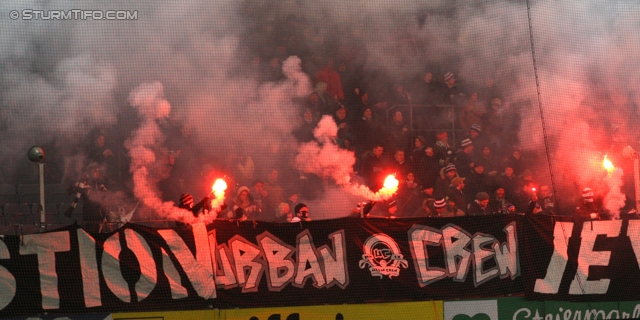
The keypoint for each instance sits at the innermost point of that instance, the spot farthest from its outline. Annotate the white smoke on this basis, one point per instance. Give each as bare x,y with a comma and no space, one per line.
147,170
326,159
614,200
60,79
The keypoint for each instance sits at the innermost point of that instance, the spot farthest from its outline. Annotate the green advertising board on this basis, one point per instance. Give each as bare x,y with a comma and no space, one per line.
521,309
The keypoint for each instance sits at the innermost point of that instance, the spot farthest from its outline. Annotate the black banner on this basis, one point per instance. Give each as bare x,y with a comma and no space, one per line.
231,264
586,261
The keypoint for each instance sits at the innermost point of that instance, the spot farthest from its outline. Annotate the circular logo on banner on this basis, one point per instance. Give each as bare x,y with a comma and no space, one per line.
382,255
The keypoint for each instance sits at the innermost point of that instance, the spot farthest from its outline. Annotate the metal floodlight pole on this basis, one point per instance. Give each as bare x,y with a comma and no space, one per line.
36,154
41,167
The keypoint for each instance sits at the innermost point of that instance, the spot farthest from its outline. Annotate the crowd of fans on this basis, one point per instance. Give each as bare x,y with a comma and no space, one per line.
453,148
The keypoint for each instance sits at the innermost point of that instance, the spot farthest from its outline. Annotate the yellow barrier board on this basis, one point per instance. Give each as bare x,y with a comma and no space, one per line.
168,315
374,311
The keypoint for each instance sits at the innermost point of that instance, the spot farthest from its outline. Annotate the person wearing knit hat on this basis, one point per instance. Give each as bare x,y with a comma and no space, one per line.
466,143
464,162
587,210
450,167
448,77
480,207
478,138
439,206
587,195
474,133
187,203
442,148
442,183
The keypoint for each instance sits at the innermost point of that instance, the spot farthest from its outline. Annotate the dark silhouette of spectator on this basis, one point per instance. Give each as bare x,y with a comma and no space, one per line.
464,160
366,130
427,169
478,138
331,77
480,205
314,104
257,195
473,113
300,213
491,163
443,182
427,90
526,199
450,92
408,188
326,102
499,204
477,182
304,132
344,125
351,83
372,168
587,210
509,182
442,149
417,153
398,165
516,161
547,201
397,132
275,193
440,206
456,193
452,209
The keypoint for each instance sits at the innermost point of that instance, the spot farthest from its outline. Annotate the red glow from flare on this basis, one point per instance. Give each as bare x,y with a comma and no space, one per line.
391,182
219,187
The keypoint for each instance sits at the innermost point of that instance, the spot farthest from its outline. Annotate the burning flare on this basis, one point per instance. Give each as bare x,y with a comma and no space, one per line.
390,182
390,187
608,165
218,188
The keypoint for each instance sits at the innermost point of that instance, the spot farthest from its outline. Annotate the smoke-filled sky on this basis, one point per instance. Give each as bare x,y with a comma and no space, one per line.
61,79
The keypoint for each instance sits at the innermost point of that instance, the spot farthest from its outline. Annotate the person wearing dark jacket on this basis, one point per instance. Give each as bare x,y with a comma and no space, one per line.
455,193
372,167
427,169
499,203
442,149
186,202
476,182
526,200
463,160
444,181
587,210
480,206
